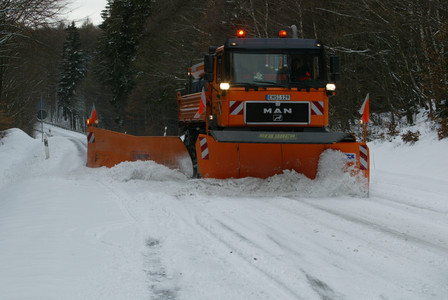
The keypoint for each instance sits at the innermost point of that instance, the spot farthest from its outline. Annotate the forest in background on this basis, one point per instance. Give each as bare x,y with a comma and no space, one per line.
132,65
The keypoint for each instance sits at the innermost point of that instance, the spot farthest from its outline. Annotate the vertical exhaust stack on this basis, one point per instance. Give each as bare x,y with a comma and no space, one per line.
294,32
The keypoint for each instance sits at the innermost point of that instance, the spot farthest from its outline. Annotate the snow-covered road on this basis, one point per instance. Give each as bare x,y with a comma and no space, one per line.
142,231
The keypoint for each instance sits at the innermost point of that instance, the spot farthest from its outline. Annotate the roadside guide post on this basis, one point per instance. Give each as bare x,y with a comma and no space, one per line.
41,114
47,150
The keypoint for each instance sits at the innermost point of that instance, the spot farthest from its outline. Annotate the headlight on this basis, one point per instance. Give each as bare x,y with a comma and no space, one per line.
331,87
224,86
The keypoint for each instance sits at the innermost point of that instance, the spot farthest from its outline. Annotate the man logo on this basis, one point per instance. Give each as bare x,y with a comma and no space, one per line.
257,112
278,118
277,111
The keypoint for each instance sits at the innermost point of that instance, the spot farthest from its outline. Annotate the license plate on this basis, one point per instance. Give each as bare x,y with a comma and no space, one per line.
278,97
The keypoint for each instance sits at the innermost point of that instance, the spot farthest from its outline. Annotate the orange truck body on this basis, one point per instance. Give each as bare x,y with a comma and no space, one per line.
256,123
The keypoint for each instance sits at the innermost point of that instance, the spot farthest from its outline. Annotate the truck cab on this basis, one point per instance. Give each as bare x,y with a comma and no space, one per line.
265,83
263,109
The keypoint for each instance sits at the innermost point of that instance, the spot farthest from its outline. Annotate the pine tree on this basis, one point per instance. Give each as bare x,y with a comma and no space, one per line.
123,26
73,71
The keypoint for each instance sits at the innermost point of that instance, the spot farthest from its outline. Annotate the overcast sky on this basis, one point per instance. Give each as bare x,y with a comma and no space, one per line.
79,10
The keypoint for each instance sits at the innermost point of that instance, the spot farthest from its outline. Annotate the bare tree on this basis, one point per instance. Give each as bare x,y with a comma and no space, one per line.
17,17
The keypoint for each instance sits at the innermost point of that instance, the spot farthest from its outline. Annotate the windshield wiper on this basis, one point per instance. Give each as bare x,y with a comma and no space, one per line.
305,84
284,85
248,85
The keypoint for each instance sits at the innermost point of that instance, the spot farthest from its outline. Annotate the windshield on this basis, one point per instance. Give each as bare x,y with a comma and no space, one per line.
285,69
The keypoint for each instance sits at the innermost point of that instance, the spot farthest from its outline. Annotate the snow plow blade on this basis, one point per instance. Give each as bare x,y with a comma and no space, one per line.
264,154
108,148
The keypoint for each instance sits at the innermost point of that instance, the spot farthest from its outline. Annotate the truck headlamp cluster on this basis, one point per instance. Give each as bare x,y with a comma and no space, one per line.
330,87
224,86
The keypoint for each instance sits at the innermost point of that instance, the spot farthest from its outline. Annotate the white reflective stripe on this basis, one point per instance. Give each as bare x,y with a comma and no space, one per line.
363,150
204,153
363,162
204,147
236,107
363,157
316,109
91,137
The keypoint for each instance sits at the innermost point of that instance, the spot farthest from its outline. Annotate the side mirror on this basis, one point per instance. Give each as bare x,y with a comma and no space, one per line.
209,61
334,68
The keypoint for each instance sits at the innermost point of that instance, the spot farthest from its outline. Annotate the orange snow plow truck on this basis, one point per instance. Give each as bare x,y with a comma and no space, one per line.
255,107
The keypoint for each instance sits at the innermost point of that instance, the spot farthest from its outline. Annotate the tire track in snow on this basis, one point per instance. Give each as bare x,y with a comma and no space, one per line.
414,181
270,257
436,203
81,147
161,285
156,272
386,197
441,250
359,253
121,199
323,290
411,190
251,261
253,256
320,287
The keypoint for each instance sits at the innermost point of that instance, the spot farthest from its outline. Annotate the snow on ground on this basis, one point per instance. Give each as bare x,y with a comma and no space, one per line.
142,231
